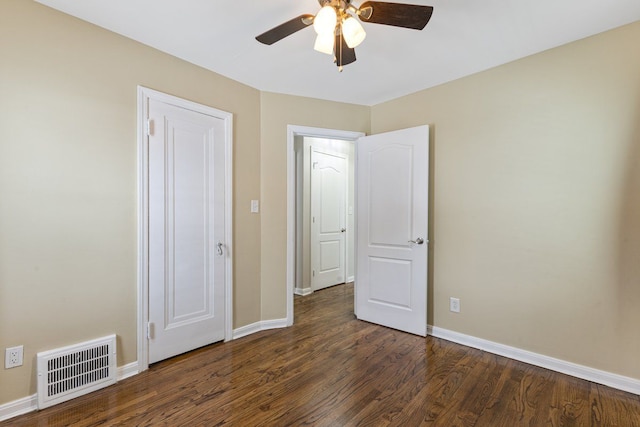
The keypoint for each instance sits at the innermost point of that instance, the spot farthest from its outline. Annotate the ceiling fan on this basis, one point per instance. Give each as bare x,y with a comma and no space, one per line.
338,30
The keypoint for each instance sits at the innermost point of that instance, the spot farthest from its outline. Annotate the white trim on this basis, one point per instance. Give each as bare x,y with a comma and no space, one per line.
247,330
228,227
350,279
292,132
263,325
18,407
303,291
144,94
30,403
127,371
143,232
616,381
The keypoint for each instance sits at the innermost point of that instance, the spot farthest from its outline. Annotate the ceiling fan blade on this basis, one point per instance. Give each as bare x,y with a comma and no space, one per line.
396,14
344,54
283,30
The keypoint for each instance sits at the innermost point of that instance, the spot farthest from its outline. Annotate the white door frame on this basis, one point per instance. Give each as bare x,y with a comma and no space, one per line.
292,132
144,94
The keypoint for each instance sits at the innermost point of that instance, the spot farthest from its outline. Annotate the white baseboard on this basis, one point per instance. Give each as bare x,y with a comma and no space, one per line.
259,326
303,291
18,407
30,403
616,381
127,371
350,279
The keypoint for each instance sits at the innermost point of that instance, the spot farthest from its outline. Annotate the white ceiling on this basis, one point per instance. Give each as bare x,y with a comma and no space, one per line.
462,38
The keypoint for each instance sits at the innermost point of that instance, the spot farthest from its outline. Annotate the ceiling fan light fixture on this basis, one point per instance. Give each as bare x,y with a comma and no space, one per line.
353,32
337,24
325,21
324,43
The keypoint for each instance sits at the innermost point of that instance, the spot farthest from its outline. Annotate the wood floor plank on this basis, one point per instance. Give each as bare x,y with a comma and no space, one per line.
330,369
368,372
613,407
502,410
399,379
439,383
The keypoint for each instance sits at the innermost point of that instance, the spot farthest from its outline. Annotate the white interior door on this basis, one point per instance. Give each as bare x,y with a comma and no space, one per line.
186,230
392,224
328,218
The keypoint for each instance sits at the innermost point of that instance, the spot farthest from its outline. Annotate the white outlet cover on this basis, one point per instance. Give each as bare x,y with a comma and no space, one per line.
454,305
13,357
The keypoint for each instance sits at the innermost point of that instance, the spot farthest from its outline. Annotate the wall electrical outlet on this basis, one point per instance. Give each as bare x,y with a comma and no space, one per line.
454,305
13,357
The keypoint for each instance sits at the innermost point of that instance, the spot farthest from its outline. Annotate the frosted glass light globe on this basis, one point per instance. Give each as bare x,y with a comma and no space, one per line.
353,32
325,20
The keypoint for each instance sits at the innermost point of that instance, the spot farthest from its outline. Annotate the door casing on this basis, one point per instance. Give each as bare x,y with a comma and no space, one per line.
144,94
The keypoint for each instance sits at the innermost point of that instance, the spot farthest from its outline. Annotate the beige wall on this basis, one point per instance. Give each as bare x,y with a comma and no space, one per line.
536,200
68,198
278,111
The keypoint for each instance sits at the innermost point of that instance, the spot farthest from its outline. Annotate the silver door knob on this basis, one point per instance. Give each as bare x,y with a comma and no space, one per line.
418,241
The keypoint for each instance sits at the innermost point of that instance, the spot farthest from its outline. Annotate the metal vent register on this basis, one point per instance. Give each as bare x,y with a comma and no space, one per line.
72,371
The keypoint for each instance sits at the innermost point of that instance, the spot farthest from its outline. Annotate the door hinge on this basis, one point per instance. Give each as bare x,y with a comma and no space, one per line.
313,273
149,330
149,127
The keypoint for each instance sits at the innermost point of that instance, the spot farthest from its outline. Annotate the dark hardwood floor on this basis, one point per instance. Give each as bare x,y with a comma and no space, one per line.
332,370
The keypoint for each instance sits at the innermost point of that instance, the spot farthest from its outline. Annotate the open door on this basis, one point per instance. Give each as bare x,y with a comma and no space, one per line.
392,223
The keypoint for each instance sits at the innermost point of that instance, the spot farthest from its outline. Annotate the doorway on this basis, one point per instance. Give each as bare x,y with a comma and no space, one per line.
392,242
324,213
295,267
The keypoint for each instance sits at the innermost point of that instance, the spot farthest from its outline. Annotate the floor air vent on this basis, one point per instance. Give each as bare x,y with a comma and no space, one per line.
72,371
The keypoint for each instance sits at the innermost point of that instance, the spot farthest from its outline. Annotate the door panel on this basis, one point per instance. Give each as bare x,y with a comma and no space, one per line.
186,222
392,211
328,214
330,255
390,195
189,241
383,271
